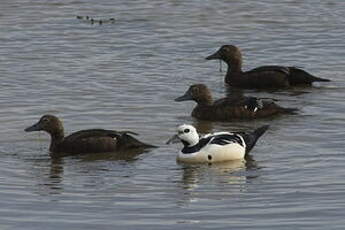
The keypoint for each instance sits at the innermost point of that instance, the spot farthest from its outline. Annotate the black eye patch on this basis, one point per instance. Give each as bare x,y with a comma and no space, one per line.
186,131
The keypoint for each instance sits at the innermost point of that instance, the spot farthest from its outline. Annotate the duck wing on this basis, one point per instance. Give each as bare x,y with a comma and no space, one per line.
263,107
221,138
296,76
87,141
98,140
270,68
230,101
95,133
227,109
250,103
225,138
265,77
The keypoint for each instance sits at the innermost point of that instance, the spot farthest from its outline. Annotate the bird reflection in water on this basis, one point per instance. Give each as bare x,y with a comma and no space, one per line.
127,155
49,172
215,177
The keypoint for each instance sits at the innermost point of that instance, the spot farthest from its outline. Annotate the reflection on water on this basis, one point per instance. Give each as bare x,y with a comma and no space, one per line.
48,174
56,169
203,127
200,179
55,176
128,155
198,174
194,174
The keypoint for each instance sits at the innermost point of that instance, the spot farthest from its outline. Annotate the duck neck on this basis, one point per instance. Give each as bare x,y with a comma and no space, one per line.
192,146
204,100
192,142
56,138
234,65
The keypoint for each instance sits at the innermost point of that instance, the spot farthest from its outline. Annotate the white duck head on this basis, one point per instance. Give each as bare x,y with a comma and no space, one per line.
187,134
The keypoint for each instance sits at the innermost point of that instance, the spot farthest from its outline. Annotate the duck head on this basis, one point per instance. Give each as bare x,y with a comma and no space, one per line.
49,123
187,134
198,93
229,54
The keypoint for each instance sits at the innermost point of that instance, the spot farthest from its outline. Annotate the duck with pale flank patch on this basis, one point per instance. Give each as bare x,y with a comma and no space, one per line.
85,141
264,77
229,109
214,147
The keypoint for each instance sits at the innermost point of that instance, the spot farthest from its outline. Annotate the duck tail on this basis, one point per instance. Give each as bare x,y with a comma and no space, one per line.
321,79
300,76
253,137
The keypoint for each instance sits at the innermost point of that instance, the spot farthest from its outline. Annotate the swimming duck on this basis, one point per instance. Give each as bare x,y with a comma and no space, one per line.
214,147
84,141
228,109
262,77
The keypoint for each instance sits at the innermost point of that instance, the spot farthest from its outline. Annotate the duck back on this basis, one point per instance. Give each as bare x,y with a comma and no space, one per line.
259,78
86,141
96,141
225,112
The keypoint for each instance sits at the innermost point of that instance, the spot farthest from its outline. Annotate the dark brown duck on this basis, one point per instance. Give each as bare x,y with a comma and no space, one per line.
85,141
228,109
263,77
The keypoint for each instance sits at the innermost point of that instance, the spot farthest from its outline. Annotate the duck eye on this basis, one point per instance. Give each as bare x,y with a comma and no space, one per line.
195,90
226,49
186,131
45,120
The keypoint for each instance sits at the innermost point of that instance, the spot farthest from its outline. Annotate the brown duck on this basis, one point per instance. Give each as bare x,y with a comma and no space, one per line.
85,141
262,77
228,109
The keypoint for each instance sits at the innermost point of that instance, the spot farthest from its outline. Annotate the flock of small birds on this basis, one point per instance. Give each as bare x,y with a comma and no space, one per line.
92,21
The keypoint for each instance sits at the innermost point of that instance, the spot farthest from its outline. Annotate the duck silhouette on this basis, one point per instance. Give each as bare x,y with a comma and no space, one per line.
264,77
84,141
230,108
214,147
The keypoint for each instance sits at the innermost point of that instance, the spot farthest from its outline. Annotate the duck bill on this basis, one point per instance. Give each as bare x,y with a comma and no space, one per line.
186,97
35,127
214,56
173,139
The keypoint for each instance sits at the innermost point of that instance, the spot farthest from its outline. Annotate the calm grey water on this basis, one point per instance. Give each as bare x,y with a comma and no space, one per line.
126,75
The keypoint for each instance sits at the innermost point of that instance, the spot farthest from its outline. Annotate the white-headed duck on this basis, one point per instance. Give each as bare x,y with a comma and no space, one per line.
214,147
